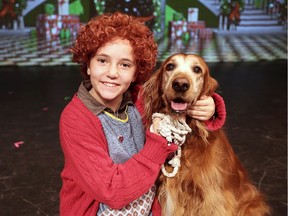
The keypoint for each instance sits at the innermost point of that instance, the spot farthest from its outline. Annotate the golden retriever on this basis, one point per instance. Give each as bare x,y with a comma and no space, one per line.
211,180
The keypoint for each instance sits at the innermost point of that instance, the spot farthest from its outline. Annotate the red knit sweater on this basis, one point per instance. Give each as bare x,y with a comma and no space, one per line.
90,176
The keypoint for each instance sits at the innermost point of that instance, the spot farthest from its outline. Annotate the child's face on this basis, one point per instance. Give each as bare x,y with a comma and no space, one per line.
111,71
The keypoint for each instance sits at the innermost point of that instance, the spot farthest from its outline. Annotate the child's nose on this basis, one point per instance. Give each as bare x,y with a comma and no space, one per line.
113,71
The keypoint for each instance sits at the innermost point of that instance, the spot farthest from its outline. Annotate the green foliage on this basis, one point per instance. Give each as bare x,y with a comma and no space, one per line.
19,6
144,8
76,8
100,6
225,6
157,13
49,9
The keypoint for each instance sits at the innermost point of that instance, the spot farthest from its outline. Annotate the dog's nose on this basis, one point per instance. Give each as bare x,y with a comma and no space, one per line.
180,85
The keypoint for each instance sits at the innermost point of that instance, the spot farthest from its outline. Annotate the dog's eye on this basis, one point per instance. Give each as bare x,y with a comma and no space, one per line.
170,67
197,69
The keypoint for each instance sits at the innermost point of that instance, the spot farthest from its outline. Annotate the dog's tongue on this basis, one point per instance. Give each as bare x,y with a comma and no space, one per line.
178,106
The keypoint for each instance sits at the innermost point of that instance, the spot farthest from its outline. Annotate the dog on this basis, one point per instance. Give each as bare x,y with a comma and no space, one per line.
211,179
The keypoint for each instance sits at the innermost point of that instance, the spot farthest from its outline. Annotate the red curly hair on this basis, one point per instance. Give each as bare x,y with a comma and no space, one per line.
107,27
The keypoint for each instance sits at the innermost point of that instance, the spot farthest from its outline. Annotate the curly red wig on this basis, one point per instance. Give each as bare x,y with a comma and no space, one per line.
107,27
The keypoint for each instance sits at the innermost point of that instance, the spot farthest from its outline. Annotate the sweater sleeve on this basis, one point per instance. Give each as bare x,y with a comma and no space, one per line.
87,159
218,120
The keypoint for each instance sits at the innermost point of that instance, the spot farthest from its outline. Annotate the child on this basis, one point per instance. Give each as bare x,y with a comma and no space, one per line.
111,161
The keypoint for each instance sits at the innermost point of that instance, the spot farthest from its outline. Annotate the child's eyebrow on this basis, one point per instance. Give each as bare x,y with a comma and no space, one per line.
127,59
104,55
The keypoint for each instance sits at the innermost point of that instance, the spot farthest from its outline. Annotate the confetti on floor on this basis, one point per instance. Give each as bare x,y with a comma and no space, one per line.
17,144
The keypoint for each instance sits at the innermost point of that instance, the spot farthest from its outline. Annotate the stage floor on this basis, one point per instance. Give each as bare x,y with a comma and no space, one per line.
30,51
32,99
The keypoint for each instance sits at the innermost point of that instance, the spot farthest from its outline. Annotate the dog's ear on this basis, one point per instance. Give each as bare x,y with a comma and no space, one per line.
151,93
209,85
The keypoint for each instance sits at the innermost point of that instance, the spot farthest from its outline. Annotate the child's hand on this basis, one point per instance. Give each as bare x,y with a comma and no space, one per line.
155,125
203,109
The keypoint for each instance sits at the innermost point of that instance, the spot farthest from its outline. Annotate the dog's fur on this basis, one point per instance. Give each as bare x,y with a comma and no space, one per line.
211,179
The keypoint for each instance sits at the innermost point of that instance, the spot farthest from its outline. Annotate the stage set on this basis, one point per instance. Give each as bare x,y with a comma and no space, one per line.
38,79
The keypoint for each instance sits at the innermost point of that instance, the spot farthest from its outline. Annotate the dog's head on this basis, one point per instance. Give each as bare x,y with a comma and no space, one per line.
179,82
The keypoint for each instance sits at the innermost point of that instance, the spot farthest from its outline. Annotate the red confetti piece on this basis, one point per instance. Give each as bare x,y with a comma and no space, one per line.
45,108
17,144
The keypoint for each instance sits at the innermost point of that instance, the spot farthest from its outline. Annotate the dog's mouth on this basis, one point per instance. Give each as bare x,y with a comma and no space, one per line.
178,105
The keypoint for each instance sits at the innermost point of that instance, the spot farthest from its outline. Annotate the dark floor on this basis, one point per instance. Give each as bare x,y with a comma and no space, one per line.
33,97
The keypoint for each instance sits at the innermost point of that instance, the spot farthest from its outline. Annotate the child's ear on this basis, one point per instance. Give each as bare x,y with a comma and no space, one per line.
88,71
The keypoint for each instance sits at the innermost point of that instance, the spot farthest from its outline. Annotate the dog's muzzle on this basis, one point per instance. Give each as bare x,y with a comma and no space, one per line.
179,85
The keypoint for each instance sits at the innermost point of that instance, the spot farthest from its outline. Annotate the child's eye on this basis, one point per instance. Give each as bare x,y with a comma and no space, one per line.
126,65
101,60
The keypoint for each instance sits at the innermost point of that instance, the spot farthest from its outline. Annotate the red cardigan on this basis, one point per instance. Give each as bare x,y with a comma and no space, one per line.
90,176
